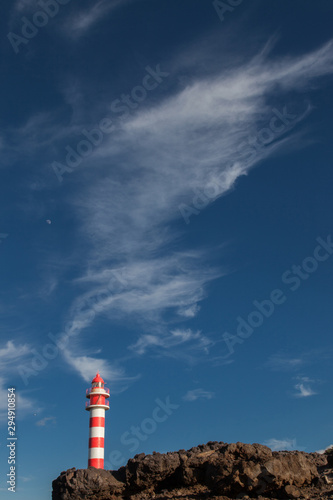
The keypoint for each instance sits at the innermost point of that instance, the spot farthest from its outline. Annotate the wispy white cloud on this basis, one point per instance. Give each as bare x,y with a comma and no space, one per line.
189,312
87,367
171,153
148,287
283,362
43,422
21,5
195,394
12,356
193,341
304,391
187,144
304,388
82,20
25,479
325,449
23,403
184,146
281,444
11,353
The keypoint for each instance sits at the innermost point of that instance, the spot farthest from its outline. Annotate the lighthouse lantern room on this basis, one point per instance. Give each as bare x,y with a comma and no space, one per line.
97,405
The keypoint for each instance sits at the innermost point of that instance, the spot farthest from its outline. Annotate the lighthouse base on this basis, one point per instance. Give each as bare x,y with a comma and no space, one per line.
98,463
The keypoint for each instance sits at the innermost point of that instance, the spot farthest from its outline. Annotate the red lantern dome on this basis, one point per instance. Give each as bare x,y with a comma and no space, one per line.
97,378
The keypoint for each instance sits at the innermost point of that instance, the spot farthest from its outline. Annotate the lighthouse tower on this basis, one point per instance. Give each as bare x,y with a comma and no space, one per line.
97,405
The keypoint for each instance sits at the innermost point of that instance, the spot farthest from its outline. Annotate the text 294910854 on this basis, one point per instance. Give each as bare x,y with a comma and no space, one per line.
11,481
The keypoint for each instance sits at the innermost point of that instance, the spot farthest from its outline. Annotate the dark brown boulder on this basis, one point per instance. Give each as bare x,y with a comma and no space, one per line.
90,484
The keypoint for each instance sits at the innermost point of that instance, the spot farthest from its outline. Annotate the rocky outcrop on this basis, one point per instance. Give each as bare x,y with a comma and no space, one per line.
212,471
87,483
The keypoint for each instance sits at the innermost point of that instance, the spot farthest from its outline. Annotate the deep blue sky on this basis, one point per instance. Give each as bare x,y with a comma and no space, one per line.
207,179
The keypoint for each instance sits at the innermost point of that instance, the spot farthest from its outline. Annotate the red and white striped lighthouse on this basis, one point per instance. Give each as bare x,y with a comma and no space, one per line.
97,406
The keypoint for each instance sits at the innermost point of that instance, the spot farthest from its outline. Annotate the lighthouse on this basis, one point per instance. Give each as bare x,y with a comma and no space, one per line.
97,405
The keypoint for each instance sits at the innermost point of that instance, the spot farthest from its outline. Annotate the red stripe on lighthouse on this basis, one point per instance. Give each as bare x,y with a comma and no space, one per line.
96,442
98,463
96,421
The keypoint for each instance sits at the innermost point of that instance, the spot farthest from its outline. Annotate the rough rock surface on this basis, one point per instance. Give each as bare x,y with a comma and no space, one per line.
217,471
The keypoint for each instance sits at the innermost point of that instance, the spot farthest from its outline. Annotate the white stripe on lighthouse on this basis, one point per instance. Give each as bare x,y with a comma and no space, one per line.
97,412
96,453
95,432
